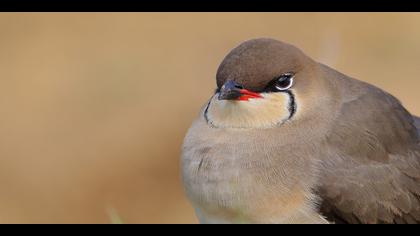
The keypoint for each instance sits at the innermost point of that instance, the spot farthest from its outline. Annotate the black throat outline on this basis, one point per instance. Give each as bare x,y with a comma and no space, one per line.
292,107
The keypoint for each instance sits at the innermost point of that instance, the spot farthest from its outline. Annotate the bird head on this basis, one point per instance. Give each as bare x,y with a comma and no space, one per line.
264,83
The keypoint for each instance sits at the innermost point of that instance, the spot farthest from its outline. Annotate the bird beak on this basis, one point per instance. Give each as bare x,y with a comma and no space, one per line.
234,91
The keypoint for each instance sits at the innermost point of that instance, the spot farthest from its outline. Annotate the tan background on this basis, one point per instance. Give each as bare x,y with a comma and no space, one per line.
94,107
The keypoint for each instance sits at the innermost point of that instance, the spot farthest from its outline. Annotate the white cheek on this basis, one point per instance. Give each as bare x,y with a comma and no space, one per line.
269,111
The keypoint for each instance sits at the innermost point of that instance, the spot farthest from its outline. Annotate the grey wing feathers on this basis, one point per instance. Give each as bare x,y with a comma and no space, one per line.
417,124
372,170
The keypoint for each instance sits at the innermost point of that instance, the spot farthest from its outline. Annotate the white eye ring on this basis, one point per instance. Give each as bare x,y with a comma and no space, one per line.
287,87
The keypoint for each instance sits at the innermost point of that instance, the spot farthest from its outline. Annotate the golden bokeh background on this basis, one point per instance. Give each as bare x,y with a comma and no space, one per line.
94,106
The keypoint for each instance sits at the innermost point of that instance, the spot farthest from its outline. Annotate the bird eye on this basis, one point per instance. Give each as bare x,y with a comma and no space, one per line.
284,82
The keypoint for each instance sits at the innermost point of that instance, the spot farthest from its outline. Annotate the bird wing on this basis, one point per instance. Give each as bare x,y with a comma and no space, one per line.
372,170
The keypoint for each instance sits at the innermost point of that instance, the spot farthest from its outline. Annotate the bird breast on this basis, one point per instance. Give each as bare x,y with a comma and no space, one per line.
239,176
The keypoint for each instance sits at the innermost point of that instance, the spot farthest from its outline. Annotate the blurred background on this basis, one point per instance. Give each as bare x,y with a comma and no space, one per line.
94,106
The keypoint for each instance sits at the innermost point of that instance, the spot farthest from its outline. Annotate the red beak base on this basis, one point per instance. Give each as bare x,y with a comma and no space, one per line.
246,95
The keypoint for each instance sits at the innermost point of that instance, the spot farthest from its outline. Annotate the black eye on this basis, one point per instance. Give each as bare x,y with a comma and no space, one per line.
284,82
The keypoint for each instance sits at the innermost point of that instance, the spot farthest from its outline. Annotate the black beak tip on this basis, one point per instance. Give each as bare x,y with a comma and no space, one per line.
230,91
232,95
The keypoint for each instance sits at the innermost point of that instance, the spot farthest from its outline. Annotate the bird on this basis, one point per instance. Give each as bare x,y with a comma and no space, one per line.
285,139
